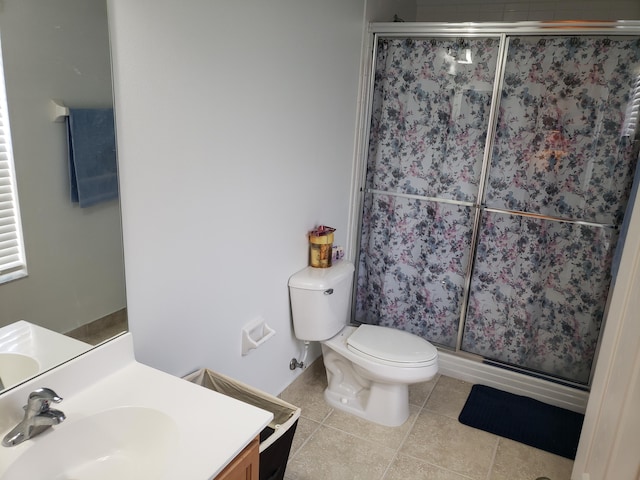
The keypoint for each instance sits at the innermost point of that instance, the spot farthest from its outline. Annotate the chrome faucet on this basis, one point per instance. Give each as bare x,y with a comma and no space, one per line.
38,417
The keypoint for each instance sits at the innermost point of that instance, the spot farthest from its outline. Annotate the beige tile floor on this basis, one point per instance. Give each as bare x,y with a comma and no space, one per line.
432,444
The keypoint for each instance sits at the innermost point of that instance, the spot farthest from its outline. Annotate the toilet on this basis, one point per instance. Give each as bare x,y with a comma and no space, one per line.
369,367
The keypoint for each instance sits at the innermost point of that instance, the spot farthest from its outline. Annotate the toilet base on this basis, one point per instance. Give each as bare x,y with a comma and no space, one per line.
382,403
381,411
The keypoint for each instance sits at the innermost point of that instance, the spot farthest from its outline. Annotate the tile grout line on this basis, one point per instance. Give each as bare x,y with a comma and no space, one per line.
294,454
350,434
435,412
404,439
315,430
305,373
493,458
421,408
409,430
397,449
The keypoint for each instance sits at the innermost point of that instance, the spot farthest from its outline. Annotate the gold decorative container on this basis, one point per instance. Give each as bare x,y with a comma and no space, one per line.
321,247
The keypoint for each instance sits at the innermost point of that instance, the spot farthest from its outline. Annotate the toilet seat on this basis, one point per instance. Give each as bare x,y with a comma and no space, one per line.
392,346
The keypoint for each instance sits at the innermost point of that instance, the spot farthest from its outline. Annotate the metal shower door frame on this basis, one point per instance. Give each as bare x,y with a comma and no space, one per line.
503,31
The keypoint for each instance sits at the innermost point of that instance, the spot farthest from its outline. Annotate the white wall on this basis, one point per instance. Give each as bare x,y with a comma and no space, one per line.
521,10
236,127
236,124
610,434
58,50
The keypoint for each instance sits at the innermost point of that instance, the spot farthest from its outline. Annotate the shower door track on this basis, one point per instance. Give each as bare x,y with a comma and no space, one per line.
503,31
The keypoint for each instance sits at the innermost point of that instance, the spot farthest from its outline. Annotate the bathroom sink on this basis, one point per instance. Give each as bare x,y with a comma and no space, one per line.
31,349
126,421
15,368
123,443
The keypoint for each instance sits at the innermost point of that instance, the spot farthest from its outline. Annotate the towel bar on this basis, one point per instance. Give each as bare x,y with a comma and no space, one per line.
58,111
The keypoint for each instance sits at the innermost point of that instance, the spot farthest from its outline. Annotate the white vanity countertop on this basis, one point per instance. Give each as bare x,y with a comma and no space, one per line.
213,428
47,347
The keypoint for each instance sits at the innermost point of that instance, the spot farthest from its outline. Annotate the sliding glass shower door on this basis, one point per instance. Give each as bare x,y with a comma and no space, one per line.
557,190
498,175
430,117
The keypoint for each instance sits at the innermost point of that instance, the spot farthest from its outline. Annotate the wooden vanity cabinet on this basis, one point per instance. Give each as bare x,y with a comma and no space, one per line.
245,465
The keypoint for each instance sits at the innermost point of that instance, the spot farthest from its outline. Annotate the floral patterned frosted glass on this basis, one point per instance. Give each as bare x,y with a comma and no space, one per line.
564,147
560,148
412,270
538,293
430,115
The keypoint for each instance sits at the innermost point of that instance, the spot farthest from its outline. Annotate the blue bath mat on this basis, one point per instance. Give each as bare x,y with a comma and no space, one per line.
523,419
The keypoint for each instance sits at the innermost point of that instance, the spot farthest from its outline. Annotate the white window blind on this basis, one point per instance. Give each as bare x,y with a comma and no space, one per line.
12,258
632,114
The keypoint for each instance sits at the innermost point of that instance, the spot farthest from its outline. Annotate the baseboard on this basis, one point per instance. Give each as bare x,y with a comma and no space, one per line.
473,371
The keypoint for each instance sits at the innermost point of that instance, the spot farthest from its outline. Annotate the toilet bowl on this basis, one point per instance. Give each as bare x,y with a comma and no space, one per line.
374,387
369,368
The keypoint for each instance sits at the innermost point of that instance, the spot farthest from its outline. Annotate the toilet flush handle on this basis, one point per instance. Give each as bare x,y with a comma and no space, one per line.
329,291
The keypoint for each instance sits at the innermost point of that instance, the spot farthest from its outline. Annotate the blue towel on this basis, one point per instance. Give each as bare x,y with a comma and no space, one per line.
93,173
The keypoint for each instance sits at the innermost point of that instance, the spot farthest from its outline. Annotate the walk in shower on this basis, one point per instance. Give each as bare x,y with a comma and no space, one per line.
500,161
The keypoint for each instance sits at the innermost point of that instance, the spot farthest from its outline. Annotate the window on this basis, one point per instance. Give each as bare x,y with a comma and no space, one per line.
12,259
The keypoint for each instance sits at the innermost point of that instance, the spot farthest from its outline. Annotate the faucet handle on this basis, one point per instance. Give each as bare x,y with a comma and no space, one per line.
39,399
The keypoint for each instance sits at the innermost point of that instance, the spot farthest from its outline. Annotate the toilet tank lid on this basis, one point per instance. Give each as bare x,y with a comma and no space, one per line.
311,278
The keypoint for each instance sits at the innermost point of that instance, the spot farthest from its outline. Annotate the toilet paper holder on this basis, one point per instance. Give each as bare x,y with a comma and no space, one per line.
254,334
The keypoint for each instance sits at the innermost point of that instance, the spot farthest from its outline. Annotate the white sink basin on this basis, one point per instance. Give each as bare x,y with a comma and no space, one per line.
123,443
125,421
15,368
27,350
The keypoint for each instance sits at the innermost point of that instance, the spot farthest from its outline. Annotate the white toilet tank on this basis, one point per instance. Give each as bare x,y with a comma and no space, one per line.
320,300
